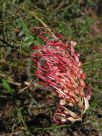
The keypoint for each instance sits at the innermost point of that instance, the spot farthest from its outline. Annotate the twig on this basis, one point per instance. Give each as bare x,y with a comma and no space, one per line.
20,116
61,4
87,63
23,89
10,80
97,90
34,14
94,80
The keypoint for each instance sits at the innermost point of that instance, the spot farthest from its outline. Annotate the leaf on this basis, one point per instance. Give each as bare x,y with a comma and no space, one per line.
28,40
24,26
6,86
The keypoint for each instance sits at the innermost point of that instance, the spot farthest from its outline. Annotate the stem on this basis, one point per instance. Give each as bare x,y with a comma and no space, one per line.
52,127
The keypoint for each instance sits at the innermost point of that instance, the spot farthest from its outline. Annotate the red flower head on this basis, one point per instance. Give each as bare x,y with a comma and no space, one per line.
59,67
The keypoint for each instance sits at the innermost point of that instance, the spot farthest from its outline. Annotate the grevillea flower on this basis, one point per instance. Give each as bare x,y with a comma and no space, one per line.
59,67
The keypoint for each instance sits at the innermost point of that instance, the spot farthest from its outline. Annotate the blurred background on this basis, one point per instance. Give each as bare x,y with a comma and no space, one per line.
25,108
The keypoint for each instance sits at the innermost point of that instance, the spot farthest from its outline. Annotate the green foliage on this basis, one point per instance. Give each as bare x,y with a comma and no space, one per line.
7,86
28,38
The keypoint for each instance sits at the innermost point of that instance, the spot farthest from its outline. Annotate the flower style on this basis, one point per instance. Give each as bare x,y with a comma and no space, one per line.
59,67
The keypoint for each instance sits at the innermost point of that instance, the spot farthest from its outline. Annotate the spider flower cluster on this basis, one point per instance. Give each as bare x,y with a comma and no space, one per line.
59,67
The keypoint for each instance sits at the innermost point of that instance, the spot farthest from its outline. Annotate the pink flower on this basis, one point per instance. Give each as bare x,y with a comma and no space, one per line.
59,67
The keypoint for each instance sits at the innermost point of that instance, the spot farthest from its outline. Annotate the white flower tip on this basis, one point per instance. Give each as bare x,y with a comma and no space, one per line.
62,102
73,43
63,119
86,104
